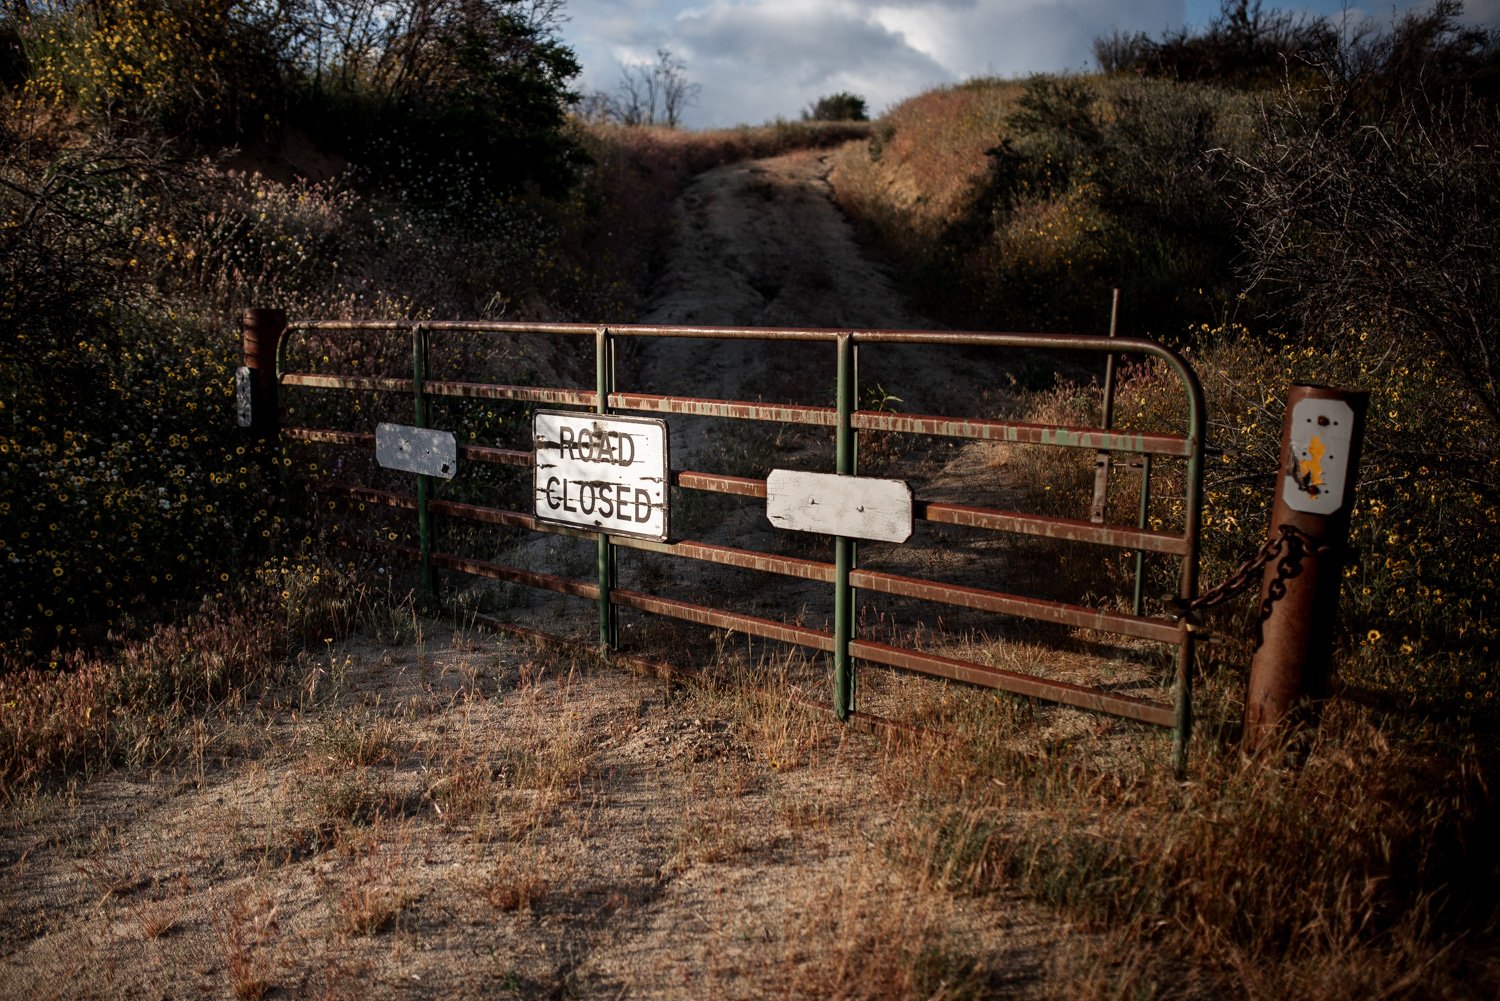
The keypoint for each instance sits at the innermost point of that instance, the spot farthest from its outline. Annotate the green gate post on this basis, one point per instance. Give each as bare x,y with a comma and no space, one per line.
1182,687
604,371
419,405
843,547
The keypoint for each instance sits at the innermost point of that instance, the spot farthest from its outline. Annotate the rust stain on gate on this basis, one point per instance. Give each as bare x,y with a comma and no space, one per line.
842,574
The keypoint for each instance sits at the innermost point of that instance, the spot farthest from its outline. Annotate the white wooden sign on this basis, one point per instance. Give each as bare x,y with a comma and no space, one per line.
857,507
416,450
601,472
1321,433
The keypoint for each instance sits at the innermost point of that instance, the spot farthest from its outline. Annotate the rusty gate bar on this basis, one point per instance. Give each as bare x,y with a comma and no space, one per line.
1010,681
738,409
847,421
1023,433
1065,529
474,453
1037,609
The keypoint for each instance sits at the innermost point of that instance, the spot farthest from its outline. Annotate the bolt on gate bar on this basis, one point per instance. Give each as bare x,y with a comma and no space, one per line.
847,421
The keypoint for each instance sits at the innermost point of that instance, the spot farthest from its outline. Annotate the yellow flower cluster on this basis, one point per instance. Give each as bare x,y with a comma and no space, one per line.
148,59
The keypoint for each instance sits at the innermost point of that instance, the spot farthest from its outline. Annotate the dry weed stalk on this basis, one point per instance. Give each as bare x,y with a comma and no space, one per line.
245,929
376,891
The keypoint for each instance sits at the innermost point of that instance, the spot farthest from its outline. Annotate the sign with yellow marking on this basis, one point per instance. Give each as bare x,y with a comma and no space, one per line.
1321,434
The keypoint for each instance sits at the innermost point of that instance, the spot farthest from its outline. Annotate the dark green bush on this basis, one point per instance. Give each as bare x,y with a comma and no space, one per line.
1103,184
840,107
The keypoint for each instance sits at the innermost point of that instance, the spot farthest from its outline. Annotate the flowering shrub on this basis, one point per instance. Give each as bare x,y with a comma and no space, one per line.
1418,612
178,63
108,515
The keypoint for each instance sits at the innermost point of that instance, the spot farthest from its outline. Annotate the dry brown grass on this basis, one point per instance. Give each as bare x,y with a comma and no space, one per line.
246,930
925,155
1363,868
870,937
135,704
376,891
516,880
478,809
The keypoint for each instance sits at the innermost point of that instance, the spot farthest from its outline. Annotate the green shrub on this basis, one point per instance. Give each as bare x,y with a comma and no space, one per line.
1098,185
840,107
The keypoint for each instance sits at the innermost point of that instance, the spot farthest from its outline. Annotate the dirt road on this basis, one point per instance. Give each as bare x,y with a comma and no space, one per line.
761,244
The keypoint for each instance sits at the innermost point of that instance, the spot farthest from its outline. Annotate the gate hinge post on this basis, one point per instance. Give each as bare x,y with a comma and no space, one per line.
262,332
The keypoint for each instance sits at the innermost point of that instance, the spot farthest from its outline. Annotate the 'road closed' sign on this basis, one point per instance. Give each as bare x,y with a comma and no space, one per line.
608,474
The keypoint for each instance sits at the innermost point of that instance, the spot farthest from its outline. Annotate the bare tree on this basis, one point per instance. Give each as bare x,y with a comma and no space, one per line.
678,93
657,93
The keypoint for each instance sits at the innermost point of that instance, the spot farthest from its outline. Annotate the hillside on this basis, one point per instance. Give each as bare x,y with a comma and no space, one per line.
238,758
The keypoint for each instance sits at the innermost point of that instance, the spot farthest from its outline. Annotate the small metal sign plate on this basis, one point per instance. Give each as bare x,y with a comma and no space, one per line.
856,507
416,450
242,397
604,473
1321,433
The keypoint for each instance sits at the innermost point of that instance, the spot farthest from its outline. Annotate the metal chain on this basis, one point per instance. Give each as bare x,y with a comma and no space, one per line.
1292,542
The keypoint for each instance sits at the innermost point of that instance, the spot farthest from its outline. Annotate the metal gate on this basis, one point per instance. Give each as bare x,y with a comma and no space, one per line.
848,422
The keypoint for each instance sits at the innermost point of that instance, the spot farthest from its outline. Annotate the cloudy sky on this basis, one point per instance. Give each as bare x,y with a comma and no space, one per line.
759,59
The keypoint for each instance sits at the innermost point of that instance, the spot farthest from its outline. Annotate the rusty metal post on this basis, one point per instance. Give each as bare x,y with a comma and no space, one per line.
1291,665
260,335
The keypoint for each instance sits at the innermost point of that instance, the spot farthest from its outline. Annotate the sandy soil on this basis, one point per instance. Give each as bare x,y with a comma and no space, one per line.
462,816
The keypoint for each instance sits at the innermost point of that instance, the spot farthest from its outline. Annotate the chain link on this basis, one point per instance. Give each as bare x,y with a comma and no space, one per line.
1290,542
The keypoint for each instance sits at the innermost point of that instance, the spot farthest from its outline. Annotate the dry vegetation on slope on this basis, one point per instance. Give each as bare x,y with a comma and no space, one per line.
189,806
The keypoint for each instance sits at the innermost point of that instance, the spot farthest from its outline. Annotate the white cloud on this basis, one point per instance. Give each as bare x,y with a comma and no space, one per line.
1011,37
757,59
774,57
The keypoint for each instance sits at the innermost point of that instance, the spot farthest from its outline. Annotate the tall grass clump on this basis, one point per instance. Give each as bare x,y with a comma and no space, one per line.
1368,870
139,698
83,712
